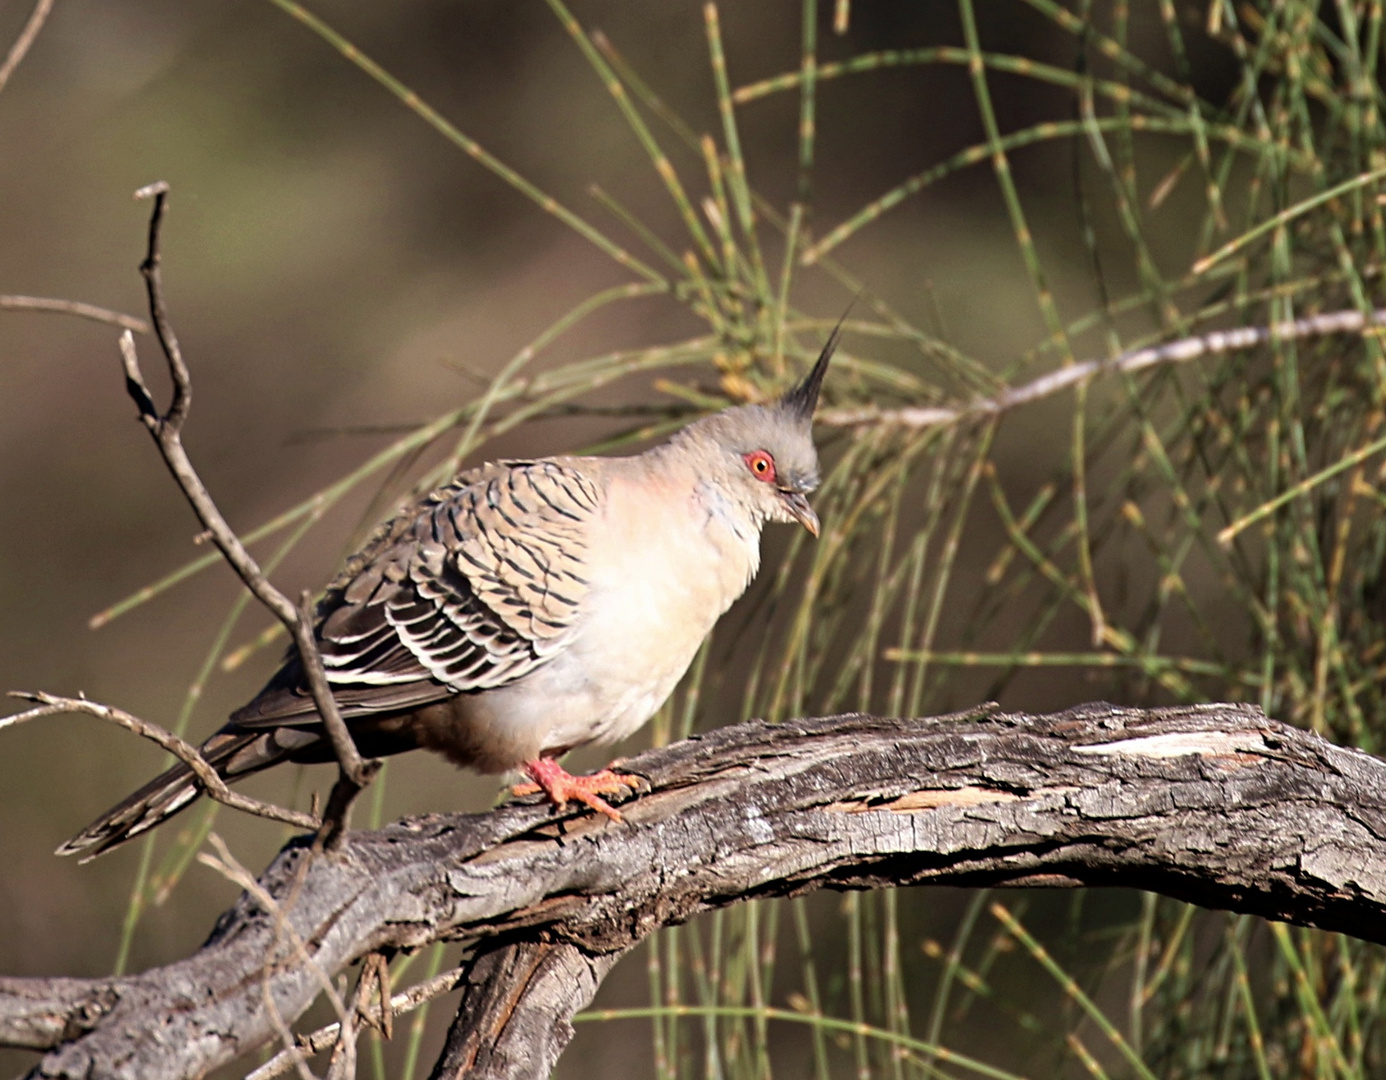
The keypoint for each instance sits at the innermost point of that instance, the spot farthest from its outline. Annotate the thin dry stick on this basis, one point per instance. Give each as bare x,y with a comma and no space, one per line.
286,1036
14,302
25,39
214,785
1174,352
229,867
324,1037
342,1063
354,773
276,1018
375,972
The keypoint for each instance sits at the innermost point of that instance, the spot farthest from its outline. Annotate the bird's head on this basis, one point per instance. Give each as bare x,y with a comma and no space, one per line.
761,457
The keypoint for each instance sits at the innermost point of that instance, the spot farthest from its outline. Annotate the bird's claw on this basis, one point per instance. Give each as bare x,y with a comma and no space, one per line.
560,786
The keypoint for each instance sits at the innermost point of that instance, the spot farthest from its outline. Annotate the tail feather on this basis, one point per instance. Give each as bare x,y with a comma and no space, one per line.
232,755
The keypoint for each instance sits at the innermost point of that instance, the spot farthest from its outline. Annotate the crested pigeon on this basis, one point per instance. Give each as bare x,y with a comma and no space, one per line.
526,608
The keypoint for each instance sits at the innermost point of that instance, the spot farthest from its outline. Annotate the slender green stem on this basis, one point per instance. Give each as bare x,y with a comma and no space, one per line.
1072,989
420,1021
1227,535
827,1023
1289,214
468,145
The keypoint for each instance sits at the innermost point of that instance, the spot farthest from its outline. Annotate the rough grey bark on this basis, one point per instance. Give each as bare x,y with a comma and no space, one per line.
1212,804
517,1007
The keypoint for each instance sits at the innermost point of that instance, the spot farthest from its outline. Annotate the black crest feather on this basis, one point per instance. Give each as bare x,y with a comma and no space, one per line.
801,400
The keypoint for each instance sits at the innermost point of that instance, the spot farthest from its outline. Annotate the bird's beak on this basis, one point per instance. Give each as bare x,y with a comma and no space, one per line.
801,511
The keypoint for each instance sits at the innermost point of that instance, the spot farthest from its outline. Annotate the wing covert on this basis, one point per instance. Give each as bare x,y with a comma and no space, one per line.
472,587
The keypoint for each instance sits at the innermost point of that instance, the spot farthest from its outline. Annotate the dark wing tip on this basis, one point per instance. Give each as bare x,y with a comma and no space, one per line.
110,830
802,399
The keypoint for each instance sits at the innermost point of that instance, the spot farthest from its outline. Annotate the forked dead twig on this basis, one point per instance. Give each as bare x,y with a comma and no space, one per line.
166,430
326,1036
229,867
214,785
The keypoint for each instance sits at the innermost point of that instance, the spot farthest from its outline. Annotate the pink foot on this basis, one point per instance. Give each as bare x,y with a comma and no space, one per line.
560,785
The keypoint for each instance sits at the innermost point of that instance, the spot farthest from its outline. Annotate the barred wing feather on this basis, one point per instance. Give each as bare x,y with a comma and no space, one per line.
470,589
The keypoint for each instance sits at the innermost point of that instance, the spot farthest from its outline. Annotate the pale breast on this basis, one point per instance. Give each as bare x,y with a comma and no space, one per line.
664,571
661,569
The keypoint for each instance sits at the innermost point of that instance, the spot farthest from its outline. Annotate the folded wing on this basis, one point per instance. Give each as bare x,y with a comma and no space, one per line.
473,588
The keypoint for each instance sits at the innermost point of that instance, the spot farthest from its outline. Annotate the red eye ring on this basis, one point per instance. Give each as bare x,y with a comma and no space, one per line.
761,464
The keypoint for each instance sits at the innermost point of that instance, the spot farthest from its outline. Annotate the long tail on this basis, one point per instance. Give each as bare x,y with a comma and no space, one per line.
233,754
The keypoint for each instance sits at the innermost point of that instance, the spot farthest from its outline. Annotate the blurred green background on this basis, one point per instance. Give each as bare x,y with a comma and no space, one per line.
340,273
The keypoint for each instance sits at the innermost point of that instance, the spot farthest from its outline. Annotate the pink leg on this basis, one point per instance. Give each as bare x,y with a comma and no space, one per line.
560,785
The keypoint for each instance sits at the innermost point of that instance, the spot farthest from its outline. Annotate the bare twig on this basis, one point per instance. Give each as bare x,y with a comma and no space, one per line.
74,307
563,964
166,430
342,1064
276,1018
377,967
320,1040
51,705
25,39
1174,352
229,867
295,1057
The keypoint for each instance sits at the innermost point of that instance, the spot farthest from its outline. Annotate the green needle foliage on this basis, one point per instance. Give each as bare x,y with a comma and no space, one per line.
1210,530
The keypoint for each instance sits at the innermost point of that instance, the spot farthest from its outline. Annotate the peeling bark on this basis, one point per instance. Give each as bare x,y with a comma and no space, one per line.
517,1008
1216,805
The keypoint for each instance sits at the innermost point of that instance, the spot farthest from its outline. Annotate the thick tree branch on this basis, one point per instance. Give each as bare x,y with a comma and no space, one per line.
1216,805
517,1007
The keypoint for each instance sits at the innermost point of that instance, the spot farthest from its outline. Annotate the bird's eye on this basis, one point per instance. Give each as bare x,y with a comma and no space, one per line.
762,465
